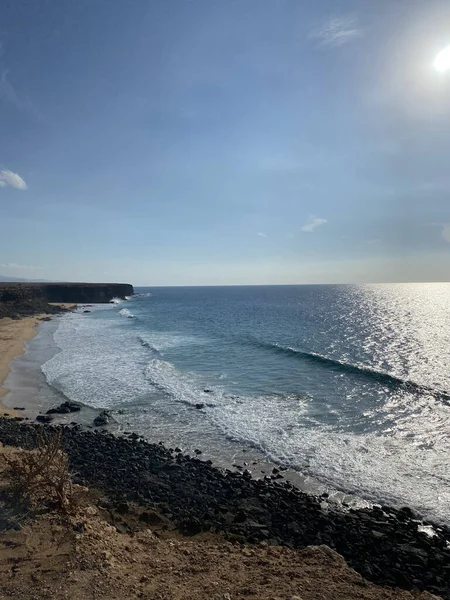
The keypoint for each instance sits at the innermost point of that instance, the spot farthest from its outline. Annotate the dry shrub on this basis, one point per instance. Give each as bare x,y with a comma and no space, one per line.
42,475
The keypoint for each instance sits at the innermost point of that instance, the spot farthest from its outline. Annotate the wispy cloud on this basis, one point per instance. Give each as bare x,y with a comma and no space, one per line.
312,223
336,31
9,95
262,234
446,232
12,179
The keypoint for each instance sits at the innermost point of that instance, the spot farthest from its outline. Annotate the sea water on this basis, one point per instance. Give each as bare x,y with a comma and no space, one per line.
348,385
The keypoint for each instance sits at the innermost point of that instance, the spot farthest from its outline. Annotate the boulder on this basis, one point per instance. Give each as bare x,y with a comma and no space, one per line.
102,419
44,418
64,408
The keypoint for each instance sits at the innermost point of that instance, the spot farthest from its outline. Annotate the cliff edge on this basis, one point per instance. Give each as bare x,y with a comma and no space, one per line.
23,299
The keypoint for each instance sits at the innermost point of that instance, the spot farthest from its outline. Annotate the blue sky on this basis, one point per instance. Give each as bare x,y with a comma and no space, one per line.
189,142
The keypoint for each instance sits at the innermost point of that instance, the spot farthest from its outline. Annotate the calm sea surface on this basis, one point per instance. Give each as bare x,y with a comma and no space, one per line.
349,385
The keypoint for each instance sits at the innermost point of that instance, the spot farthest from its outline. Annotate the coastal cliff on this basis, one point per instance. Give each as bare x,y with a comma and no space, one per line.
20,299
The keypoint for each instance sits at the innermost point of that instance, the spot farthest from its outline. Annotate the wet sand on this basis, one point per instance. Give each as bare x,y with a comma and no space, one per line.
13,335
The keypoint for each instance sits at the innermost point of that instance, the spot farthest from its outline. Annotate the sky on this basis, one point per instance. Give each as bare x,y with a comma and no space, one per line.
213,142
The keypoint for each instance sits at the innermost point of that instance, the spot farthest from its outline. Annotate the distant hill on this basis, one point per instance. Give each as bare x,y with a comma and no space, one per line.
19,279
4,278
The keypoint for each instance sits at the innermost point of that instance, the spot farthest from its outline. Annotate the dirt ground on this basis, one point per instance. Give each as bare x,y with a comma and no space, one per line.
97,554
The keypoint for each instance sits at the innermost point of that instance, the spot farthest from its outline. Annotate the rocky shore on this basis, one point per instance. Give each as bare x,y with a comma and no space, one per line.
383,544
27,299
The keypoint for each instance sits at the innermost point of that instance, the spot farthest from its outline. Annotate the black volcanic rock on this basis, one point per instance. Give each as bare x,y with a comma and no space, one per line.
102,419
64,408
26,299
384,545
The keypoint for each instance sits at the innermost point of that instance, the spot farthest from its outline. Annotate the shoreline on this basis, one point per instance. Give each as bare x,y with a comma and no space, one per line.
383,544
113,552
14,333
31,391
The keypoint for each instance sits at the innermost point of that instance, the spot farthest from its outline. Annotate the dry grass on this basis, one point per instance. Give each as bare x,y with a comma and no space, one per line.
42,476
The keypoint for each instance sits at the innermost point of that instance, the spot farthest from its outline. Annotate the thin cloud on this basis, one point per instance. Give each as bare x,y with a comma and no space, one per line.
9,95
336,31
262,234
12,179
312,224
446,232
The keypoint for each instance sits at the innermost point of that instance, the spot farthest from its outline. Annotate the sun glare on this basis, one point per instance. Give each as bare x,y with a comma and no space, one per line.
442,61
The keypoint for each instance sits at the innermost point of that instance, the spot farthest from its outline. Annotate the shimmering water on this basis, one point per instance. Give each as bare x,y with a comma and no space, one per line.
347,384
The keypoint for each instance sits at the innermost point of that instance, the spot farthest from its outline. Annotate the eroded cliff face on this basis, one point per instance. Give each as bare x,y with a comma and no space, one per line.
85,292
21,299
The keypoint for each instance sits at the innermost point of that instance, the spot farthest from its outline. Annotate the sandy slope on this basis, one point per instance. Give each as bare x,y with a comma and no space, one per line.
47,559
98,554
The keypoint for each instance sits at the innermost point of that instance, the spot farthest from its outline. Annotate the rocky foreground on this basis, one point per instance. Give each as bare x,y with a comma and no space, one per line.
382,544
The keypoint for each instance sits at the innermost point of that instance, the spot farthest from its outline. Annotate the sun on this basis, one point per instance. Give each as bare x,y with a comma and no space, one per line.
442,61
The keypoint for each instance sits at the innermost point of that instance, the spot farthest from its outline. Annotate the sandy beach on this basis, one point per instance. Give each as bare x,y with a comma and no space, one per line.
13,335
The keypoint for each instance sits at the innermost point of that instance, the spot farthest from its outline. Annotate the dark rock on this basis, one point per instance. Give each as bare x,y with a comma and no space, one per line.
44,418
382,545
26,299
407,513
151,517
122,508
65,407
102,419
87,311
18,408
191,527
199,405
207,391
240,517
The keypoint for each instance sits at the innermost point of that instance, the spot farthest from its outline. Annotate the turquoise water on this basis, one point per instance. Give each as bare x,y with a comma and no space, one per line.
349,385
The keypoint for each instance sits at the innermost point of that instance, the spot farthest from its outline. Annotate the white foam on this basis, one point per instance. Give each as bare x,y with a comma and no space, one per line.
393,468
165,340
116,301
390,468
165,377
98,365
102,364
126,313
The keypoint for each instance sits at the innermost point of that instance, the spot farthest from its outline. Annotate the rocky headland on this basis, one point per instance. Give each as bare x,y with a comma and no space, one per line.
26,299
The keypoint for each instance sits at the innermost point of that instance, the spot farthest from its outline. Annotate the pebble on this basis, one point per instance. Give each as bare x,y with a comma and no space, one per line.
384,546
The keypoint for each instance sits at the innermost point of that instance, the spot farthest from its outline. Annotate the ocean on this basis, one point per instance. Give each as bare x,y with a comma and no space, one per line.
348,385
